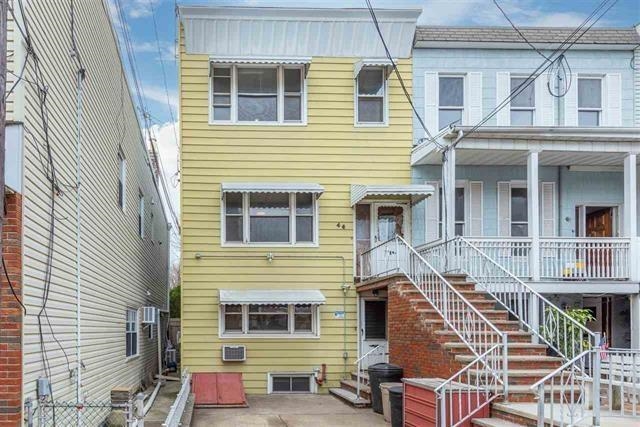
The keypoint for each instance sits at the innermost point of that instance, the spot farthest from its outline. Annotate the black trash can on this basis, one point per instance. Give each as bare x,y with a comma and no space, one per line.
382,373
395,401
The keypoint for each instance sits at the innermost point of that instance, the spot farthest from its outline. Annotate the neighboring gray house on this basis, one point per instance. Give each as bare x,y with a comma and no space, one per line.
124,245
548,186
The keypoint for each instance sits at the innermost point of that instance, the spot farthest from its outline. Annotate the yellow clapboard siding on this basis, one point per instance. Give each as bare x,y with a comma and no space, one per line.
328,150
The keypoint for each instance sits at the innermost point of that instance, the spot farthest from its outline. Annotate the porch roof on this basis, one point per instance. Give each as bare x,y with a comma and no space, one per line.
416,191
493,145
271,296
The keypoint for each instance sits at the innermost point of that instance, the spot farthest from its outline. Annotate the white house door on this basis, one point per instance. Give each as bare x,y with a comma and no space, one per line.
389,221
373,331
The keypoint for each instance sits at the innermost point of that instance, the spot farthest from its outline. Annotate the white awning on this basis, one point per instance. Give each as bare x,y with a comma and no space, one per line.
306,61
258,296
380,62
416,191
272,187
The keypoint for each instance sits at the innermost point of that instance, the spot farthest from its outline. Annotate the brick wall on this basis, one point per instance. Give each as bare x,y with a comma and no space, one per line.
11,316
412,344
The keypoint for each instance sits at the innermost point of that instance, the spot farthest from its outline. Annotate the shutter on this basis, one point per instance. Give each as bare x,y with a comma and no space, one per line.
504,209
431,101
503,90
613,100
548,207
474,95
432,210
475,208
571,103
544,115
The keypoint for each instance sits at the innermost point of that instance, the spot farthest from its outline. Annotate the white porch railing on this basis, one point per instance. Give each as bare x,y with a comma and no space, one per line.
513,253
584,258
478,333
549,323
178,406
378,354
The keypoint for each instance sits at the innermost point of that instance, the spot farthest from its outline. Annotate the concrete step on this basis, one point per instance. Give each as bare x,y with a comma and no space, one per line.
513,336
455,276
515,348
364,377
352,386
479,303
493,422
519,376
431,313
521,362
350,398
502,325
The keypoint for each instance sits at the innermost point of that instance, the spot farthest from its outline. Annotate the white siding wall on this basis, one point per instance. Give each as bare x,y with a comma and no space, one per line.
118,267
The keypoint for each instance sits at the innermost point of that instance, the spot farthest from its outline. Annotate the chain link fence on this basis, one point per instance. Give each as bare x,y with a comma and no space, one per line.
91,414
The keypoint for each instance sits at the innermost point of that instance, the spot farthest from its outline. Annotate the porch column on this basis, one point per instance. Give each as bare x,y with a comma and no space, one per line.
634,305
533,213
449,193
629,216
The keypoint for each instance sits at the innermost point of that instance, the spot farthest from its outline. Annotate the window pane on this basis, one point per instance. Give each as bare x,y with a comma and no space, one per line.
233,229
589,93
521,117
304,229
269,229
527,97
304,204
518,204
459,230
459,204
519,230
303,318
221,71
222,100
292,108
269,204
371,81
222,113
300,384
222,85
292,80
451,91
257,108
588,118
281,384
370,110
233,322
233,203
233,308
268,318
449,117
257,80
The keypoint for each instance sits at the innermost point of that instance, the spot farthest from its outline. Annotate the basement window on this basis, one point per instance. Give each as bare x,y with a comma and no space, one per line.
291,383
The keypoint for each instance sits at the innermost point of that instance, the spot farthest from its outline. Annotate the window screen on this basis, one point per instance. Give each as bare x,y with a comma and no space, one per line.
522,104
451,101
371,92
269,217
257,94
589,101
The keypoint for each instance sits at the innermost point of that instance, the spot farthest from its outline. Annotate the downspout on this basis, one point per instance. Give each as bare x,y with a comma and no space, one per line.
79,397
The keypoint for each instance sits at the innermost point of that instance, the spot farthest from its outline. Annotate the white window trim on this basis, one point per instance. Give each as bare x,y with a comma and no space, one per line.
280,100
465,99
246,227
535,100
314,334
313,386
517,184
385,101
136,331
122,180
603,94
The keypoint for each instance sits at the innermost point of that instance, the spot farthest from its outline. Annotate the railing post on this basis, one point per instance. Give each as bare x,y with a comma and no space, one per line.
443,409
505,367
397,254
541,405
534,317
596,381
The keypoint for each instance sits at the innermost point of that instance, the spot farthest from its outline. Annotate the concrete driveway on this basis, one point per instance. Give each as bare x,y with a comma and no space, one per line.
288,411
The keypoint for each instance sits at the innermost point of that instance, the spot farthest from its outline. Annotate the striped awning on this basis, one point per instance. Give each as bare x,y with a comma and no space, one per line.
272,187
417,192
270,296
277,61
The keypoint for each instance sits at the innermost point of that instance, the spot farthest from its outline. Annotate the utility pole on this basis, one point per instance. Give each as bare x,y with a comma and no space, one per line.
4,5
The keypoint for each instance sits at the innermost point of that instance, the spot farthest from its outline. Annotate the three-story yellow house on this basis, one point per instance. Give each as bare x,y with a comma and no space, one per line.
295,157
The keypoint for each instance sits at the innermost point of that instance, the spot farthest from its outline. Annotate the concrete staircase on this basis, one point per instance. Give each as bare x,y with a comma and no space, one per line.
348,388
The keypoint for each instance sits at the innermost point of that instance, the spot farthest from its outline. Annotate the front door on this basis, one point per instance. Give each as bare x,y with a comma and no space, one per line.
389,222
373,332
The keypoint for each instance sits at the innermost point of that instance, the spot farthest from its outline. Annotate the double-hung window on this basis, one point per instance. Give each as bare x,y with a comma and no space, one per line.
460,211
450,100
524,103
131,333
258,94
274,319
589,101
519,212
371,90
263,218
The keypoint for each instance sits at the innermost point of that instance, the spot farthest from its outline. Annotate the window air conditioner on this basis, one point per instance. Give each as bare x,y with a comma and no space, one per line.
234,353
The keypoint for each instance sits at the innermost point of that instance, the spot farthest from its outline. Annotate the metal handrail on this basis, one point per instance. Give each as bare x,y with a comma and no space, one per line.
514,295
461,382
359,367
